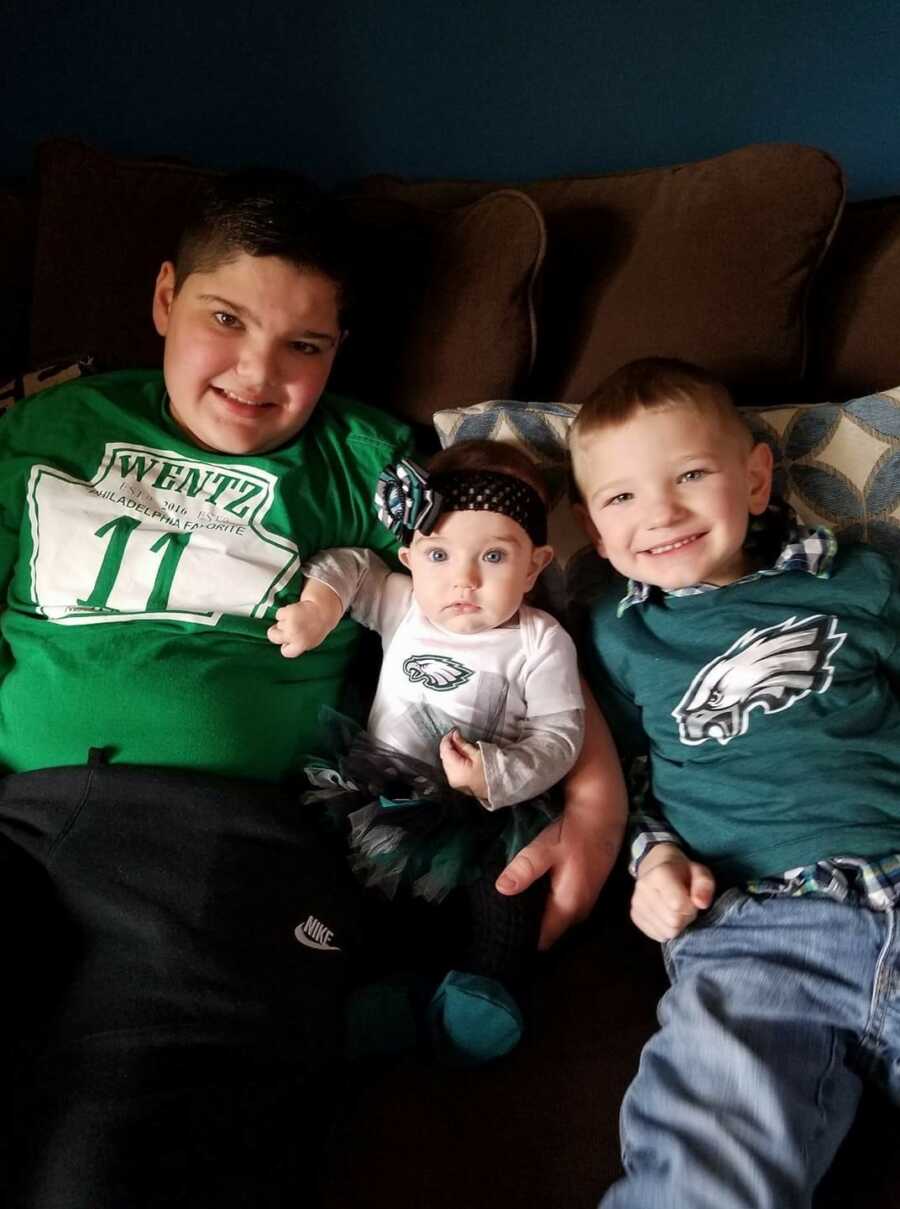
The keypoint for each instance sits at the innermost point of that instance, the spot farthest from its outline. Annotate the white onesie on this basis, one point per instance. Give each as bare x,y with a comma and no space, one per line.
518,682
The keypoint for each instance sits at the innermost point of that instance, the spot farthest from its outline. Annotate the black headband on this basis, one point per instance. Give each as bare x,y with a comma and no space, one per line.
409,500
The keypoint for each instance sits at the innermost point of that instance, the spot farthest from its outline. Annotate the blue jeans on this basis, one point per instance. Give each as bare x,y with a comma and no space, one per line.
778,1009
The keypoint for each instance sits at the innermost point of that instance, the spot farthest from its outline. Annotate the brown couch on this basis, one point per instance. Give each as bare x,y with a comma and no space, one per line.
750,263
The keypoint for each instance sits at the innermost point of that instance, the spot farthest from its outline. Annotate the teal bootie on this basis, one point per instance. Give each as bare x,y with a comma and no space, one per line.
473,1020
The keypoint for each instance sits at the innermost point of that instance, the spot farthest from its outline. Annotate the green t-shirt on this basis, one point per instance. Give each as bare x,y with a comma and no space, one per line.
142,574
771,710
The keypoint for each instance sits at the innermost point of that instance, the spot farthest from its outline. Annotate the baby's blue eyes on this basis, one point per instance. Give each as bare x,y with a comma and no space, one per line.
621,498
436,555
693,476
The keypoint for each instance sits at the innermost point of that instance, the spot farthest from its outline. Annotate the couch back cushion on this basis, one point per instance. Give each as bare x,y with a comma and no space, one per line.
447,314
857,304
709,261
104,227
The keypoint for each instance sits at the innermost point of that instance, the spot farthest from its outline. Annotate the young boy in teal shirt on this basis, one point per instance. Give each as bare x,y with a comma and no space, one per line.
765,679
177,985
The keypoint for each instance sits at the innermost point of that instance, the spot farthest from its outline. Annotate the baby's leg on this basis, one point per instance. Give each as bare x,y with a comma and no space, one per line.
745,1093
476,1013
503,930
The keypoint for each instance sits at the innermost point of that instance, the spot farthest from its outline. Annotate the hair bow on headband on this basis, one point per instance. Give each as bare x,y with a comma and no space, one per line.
405,502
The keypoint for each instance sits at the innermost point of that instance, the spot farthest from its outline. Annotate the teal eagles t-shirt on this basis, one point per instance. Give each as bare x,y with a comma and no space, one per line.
142,573
771,710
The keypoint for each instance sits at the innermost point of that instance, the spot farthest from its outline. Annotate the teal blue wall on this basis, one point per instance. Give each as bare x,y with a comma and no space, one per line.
495,88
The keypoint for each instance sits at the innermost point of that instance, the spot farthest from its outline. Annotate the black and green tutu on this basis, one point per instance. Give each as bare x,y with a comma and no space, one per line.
405,825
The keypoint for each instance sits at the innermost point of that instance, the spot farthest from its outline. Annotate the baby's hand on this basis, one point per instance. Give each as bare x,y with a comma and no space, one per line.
299,627
669,892
463,764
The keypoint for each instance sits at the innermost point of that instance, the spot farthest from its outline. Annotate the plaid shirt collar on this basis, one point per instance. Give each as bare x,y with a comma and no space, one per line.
810,549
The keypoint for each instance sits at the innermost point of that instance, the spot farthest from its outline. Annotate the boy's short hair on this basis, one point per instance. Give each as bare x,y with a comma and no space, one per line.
653,384
491,455
266,212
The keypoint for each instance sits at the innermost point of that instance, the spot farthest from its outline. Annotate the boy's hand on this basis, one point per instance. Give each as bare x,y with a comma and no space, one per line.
463,764
299,627
669,892
578,854
578,850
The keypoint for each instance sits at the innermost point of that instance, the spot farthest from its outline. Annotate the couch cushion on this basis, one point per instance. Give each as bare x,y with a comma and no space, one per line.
709,261
23,386
446,318
446,313
857,304
104,227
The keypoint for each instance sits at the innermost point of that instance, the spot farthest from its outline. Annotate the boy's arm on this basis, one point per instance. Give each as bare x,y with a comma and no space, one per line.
579,849
648,829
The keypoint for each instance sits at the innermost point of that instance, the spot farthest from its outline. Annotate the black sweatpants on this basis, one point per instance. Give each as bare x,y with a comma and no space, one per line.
175,950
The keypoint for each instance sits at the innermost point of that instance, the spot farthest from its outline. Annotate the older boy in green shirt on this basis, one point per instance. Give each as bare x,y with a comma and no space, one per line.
186,933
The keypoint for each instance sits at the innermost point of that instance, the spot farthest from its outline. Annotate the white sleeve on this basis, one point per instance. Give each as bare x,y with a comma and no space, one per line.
548,748
552,683
377,597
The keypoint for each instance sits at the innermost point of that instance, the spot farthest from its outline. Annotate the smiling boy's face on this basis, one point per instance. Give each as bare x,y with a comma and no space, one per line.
249,347
668,495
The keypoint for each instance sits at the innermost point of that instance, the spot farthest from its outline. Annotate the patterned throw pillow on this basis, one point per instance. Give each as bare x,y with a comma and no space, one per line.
25,385
837,463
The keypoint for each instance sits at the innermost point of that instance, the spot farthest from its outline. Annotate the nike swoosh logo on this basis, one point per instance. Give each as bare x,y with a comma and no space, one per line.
314,944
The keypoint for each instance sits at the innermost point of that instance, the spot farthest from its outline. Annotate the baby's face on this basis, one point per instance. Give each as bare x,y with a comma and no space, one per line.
471,572
249,346
668,496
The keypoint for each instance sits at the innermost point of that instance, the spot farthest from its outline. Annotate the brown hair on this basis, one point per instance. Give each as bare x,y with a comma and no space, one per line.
491,455
267,212
654,384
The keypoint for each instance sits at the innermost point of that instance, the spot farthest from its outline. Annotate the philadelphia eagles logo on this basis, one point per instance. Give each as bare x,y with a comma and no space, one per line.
768,669
436,671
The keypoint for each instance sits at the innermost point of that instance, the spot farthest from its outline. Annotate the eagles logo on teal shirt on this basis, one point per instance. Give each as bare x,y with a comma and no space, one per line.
768,669
436,671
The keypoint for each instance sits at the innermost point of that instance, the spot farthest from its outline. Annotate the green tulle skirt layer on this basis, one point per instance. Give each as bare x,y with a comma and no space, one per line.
405,825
